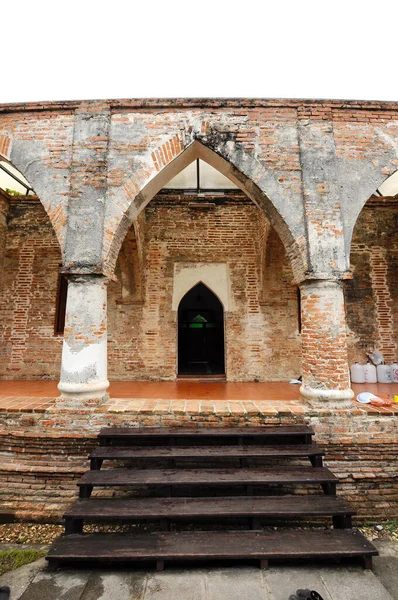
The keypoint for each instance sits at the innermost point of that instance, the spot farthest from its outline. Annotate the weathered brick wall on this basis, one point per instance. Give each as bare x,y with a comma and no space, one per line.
261,330
4,204
28,347
267,297
372,294
41,460
309,165
309,161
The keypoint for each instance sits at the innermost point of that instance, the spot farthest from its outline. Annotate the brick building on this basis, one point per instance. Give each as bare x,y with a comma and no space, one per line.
302,213
251,239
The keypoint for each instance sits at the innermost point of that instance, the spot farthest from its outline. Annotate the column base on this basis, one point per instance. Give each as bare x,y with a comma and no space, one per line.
329,397
83,391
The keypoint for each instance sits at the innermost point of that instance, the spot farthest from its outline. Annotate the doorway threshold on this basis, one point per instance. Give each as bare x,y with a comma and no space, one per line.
211,378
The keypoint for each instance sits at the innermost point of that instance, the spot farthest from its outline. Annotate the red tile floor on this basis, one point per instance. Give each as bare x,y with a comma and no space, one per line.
182,396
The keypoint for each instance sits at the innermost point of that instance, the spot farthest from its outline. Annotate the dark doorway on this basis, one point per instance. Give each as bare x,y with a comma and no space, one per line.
200,333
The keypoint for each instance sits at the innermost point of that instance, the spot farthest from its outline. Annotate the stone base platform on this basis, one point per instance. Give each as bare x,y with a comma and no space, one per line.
44,444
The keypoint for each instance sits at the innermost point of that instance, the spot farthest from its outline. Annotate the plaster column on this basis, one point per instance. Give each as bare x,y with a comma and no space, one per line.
324,344
84,353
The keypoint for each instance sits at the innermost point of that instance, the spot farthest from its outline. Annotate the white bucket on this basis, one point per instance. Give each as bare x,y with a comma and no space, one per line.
370,373
383,373
357,372
394,372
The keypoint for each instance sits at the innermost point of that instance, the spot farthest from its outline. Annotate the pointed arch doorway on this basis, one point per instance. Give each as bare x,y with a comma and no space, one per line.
201,348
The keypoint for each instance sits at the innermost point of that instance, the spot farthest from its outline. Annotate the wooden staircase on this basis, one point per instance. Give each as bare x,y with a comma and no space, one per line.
232,477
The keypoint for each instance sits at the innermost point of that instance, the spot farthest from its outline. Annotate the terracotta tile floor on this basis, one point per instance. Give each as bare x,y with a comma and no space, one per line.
165,390
182,397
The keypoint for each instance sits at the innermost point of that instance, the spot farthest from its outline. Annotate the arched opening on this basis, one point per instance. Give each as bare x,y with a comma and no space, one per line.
223,240
285,211
201,333
200,218
372,294
32,291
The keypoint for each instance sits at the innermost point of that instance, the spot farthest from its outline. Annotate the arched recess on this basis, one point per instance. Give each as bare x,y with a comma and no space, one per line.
129,269
261,185
201,346
372,294
30,257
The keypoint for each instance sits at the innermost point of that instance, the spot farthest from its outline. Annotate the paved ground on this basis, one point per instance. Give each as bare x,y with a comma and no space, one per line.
34,582
187,397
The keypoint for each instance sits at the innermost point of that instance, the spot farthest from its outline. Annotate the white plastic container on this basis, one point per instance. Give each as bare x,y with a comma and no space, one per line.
357,373
394,372
370,373
383,373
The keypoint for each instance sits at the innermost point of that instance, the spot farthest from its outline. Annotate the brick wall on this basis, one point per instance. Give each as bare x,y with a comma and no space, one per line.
141,323
4,204
372,294
43,456
261,330
28,347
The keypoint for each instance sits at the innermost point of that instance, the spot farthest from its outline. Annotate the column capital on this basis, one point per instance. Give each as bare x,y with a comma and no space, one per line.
86,273
332,277
320,284
85,277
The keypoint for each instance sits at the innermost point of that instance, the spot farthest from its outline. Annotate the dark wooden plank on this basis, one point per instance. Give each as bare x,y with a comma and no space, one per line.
174,508
150,477
210,452
222,432
110,548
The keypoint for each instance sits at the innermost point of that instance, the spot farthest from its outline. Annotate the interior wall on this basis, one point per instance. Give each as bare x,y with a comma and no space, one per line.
372,294
261,325
28,347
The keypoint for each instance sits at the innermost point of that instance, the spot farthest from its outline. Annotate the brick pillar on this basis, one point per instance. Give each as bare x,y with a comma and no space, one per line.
84,353
324,344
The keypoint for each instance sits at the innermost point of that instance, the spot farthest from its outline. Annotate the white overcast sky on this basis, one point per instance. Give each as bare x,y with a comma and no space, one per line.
205,48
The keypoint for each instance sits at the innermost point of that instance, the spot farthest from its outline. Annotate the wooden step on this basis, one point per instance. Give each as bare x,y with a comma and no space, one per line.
112,435
205,545
205,452
201,477
253,507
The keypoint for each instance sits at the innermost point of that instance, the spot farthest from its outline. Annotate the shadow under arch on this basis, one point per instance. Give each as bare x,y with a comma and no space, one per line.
201,345
293,241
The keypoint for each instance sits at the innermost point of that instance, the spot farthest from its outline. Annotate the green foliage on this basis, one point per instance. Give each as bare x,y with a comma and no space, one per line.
12,559
13,192
391,526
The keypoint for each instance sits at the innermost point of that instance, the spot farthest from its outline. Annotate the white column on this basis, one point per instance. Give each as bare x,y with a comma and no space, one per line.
84,353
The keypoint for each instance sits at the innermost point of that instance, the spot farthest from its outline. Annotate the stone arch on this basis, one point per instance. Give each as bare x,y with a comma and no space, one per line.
5,144
362,168
30,257
222,152
371,295
365,188
50,185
